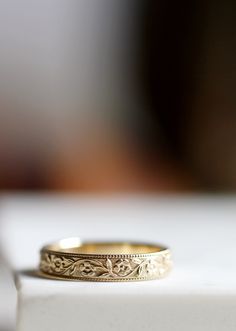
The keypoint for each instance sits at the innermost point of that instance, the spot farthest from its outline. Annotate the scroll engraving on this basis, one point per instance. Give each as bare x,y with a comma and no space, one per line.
106,268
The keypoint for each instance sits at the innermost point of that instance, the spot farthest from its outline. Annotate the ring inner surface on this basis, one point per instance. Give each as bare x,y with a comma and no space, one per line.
107,248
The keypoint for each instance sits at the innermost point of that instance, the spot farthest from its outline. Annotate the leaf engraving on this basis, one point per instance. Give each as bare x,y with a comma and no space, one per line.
136,260
109,265
140,270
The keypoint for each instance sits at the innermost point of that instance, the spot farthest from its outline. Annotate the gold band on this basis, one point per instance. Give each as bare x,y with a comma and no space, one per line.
69,259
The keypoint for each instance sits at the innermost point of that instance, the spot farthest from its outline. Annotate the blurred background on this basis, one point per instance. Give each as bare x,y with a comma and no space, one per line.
110,96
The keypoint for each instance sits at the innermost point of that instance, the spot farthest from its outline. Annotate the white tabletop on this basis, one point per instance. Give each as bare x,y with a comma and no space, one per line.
7,299
200,230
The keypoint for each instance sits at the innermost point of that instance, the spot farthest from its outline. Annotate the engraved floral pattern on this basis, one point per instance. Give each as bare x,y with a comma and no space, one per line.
54,264
58,264
151,267
87,269
106,268
122,267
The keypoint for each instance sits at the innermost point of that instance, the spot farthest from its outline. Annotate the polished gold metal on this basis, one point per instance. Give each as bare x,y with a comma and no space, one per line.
104,261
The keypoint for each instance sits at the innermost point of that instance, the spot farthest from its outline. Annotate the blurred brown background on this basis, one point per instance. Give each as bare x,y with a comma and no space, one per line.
103,96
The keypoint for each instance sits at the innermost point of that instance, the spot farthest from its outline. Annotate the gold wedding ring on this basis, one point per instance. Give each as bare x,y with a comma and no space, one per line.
103,261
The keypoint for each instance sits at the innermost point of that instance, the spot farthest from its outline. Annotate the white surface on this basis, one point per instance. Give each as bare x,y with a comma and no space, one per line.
200,294
7,299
